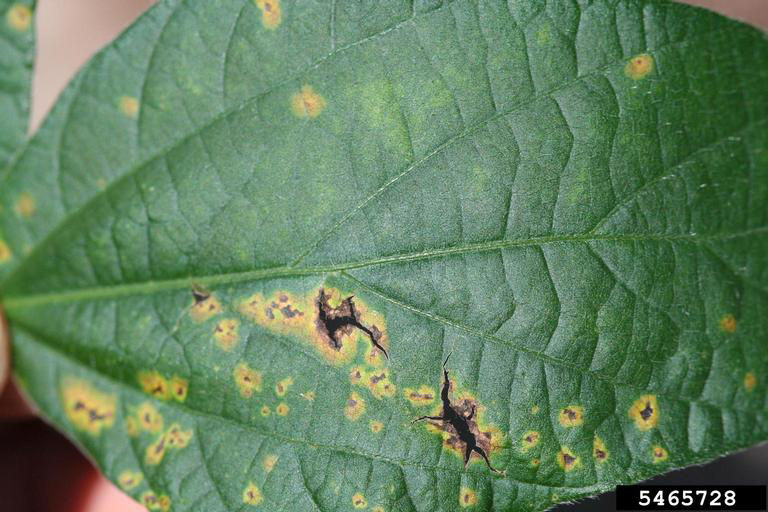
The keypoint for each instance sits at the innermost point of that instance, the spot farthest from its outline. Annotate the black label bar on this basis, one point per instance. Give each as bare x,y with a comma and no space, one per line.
691,497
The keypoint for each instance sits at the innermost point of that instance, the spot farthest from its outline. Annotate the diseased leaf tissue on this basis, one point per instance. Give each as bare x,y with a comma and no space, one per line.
236,258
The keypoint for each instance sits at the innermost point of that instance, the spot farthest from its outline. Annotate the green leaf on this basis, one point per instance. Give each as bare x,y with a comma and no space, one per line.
564,199
17,47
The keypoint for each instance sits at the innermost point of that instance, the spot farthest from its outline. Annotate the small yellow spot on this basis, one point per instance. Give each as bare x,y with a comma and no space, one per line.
164,502
355,407
535,409
309,395
750,382
659,453
467,497
179,388
571,416
357,375
420,397
88,409
177,438
599,451
535,463
252,495
282,387
530,440
359,501
307,103
639,66
149,500
378,508
247,379
728,323
269,462
376,426
567,460
150,419
26,206
270,13
5,252
154,384
156,451
645,412
129,106
265,410
282,409
129,479
205,307
131,426
380,385
225,333
19,17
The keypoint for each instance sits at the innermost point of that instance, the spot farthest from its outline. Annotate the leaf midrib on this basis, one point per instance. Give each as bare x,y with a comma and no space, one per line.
21,301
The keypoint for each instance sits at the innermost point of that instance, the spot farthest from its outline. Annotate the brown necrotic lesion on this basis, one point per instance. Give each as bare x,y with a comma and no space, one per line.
459,420
334,323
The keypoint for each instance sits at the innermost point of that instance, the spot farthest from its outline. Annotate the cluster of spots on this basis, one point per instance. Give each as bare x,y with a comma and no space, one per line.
375,379
425,395
530,440
376,426
5,253
19,17
599,451
129,106
571,416
154,502
467,497
728,323
750,381
25,206
332,324
359,501
460,425
567,460
205,307
174,438
271,15
355,407
269,462
252,494
247,380
226,333
158,386
86,408
129,480
307,103
645,412
639,66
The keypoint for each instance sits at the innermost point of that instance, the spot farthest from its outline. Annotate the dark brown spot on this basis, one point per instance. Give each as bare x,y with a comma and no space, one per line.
334,323
647,412
568,460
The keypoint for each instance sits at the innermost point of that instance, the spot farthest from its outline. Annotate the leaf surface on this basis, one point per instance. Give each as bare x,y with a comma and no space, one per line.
236,201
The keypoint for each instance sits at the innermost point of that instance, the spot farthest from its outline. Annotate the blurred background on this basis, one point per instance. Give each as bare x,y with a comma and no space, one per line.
70,31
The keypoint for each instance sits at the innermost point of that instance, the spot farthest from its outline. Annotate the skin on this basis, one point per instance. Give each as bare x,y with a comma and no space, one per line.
39,468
